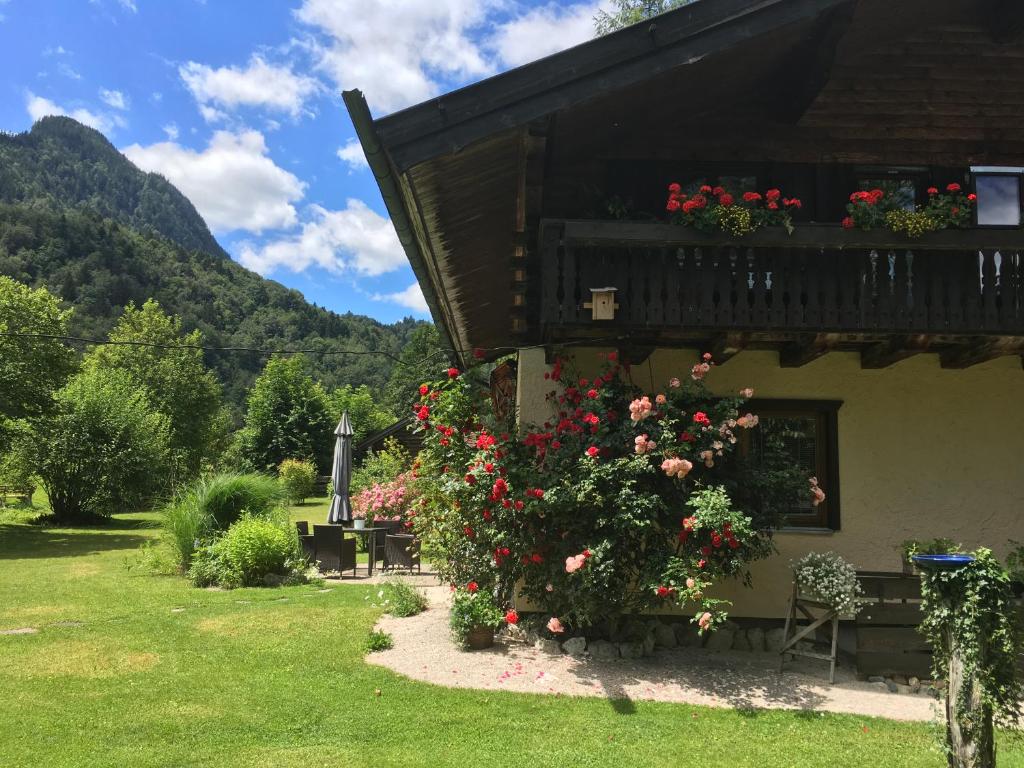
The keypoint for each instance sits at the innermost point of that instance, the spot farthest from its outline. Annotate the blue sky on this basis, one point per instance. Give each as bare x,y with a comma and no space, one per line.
238,103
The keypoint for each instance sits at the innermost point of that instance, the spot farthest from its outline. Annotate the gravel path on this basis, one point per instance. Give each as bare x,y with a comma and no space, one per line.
423,650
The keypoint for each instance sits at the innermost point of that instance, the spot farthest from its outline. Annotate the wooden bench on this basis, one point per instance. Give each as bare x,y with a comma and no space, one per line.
888,641
23,492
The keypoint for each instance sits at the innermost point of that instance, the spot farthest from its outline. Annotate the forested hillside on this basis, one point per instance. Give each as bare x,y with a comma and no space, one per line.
80,219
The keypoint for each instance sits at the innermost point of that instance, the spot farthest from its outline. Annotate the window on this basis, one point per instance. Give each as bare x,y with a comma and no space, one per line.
905,184
807,430
999,198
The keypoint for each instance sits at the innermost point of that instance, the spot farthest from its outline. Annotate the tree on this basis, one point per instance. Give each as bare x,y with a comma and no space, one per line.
631,11
178,383
103,450
420,361
288,417
366,416
31,369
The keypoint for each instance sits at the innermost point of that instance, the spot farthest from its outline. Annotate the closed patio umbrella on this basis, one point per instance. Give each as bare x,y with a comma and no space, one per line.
341,473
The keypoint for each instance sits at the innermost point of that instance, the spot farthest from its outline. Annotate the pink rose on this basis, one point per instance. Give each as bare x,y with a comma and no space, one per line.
660,400
555,626
673,382
574,563
704,621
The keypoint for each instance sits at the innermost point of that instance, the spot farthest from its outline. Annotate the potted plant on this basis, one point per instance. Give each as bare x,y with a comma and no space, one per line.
358,522
827,578
911,547
474,617
1015,567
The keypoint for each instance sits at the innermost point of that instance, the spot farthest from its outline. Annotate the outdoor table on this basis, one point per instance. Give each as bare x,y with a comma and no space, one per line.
371,545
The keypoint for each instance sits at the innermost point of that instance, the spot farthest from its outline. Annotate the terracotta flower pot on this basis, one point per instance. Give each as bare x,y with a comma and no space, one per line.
479,638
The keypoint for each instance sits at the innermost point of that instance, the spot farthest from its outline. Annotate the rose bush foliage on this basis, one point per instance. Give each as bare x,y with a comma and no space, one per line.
622,501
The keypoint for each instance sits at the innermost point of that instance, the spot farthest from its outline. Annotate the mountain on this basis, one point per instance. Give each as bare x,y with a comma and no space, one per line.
81,219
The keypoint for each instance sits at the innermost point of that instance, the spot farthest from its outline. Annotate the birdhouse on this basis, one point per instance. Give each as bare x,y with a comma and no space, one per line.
602,303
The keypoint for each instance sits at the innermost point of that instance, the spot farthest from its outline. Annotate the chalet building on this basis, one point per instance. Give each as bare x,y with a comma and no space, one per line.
894,364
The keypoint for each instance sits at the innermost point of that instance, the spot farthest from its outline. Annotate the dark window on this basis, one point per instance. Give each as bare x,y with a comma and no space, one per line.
998,199
806,430
906,185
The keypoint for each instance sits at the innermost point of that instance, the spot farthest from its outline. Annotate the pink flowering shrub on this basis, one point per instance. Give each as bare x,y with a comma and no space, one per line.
620,501
392,500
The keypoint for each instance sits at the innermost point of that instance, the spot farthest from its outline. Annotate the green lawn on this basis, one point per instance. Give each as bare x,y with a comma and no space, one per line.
119,676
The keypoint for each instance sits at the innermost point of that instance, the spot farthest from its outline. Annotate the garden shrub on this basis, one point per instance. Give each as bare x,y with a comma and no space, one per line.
382,466
623,501
103,449
213,503
403,600
379,641
473,608
298,479
254,551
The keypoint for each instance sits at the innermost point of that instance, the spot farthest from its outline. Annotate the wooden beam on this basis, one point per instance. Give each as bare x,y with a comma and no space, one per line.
886,353
979,351
1006,20
799,353
792,87
726,346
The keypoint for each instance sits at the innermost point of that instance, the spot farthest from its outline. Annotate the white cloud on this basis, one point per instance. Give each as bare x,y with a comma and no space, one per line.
542,31
171,130
68,71
398,52
114,99
233,182
354,239
352,153
39,107
128,5
257,85
411,297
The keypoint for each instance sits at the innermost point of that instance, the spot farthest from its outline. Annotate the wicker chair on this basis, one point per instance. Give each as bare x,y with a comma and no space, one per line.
302,526
332,551
308,547
390,526
402,551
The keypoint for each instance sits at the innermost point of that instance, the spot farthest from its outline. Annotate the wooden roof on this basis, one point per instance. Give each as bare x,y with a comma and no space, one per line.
465,176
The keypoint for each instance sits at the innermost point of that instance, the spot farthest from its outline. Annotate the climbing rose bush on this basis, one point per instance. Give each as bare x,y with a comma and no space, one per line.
393,500
623,500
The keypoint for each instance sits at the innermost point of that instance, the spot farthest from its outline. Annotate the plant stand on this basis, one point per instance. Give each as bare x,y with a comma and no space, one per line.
807,607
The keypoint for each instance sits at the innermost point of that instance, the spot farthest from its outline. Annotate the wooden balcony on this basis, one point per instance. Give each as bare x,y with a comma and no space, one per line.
960,293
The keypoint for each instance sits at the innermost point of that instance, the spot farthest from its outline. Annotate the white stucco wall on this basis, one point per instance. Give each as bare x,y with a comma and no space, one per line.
923,451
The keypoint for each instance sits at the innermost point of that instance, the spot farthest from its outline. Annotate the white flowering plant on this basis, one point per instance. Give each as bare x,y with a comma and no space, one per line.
826,577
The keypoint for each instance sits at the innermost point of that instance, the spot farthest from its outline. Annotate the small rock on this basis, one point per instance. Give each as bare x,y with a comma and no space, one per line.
721,639
904,689
602,649
756,637
575,646
893,687
900,679
773,639
547,646
740,641
664,636
881,686
914,683
876,679
632,649
649,643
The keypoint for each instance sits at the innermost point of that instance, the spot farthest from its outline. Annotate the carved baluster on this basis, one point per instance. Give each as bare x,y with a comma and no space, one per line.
988,290
673,271
706,299
760,258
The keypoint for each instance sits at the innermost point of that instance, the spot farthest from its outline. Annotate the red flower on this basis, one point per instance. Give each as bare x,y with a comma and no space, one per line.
592,393
848,223
468,531
434,395
453,373
772,205
701,418
472,587
613,356
972,197
424,389
423,413
511,617
487,515
726,200
518,504
592,451
954,211
954,187
470,479
701,563
673,205
536,559
706,189
665,591
686,437
717,191
793,202
674,188
772,194
586,553
478,353
933,190
751,197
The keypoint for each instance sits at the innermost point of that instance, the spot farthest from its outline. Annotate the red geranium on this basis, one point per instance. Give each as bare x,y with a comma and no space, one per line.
592,451
472,587
453,373
512,617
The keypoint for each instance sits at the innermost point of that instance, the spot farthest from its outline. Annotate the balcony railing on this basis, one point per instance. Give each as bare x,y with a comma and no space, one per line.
820,278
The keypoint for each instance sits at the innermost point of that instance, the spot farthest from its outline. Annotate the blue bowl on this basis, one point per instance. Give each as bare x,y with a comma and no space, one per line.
942,562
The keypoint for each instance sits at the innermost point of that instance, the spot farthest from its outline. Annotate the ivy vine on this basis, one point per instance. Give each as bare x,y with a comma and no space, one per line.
975,606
